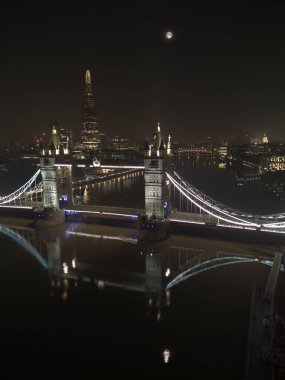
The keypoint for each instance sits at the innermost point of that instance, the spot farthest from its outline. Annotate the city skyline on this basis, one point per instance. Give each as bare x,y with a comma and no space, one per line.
220,74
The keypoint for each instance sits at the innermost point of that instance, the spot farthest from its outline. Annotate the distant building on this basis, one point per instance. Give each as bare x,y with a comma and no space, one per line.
90,135
223,151
255,140
120,143
264,139
276,163
258,139
66,138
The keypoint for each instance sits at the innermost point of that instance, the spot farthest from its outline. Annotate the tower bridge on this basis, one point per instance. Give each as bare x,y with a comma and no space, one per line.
170,200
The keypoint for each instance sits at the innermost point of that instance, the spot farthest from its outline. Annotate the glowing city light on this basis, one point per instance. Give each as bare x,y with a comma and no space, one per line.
65,268
166,356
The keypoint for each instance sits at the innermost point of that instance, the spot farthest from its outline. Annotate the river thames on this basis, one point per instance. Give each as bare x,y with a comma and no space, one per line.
96,298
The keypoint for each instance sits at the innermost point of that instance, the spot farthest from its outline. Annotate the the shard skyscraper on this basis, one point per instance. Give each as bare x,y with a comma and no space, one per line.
90,136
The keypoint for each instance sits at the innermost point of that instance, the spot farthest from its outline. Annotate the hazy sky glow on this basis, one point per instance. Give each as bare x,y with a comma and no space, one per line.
222,73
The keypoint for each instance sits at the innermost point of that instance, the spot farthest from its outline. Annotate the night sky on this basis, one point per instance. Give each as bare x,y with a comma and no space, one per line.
222,74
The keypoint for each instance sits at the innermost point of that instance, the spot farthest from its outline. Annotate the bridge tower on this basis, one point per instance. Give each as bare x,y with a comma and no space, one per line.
57,177
155,223
155,183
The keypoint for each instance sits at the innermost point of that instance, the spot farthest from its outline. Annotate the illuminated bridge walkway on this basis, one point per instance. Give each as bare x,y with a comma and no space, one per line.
188,205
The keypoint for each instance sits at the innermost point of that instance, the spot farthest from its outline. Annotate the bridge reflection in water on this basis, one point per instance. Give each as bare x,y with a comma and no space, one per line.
157,269
162,271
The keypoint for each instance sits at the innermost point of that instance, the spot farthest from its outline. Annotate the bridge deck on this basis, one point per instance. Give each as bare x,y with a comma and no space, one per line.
106,210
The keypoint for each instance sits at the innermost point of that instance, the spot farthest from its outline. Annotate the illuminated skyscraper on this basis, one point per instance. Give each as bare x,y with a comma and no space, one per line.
66,138
90,136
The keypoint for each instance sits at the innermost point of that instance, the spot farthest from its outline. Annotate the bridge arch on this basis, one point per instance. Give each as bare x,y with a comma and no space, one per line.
214,264
23,243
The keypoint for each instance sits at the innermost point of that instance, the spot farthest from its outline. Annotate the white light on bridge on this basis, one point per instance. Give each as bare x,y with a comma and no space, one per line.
167,273
166,356
101,284
167,298
73,263
65,268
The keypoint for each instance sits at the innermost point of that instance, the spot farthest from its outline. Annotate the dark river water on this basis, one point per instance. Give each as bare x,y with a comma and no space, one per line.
79,298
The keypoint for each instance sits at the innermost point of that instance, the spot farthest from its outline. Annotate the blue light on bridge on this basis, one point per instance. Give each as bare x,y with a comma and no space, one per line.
165,204
70,212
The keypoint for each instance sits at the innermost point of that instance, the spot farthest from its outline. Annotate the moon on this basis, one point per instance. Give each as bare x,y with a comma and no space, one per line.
169,35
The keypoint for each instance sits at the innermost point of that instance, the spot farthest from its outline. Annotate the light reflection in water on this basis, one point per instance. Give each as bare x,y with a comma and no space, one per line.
166,356
107,258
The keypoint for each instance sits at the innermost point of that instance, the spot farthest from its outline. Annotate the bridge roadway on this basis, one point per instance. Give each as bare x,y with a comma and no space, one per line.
176,218
105,211
182,217
180,221
261,327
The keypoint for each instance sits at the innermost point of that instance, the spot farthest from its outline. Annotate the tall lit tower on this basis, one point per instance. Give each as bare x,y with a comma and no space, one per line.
90,136
154,224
